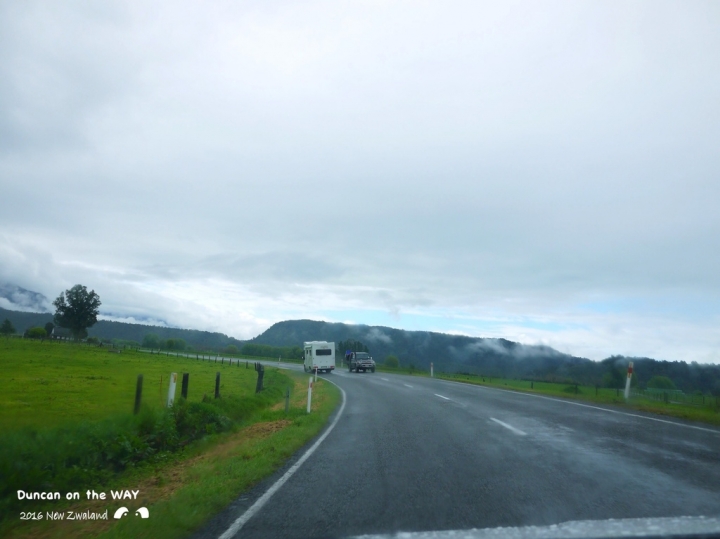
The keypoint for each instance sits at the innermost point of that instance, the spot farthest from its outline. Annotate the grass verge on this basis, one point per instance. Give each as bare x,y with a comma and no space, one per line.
704,414
187,490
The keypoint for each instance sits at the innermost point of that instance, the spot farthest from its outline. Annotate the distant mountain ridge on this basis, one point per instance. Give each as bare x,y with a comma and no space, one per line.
107,329
474,354
490,357
20,299
450,353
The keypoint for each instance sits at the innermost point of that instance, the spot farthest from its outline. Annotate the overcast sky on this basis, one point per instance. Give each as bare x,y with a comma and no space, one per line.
547,172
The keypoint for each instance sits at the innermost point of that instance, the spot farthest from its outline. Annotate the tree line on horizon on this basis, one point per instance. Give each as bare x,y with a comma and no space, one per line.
498,358
450,353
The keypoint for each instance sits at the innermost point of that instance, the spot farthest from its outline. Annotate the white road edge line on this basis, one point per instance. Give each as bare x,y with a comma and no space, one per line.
509,427
590,406
236,526
612,411
408,385
447,399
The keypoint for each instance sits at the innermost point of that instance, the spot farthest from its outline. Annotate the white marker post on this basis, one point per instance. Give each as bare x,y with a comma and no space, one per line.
627,382
310,384
171,389
431,371
316,373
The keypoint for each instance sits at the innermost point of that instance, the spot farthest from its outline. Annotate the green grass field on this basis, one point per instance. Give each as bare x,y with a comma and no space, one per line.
708,413
53,383
63,401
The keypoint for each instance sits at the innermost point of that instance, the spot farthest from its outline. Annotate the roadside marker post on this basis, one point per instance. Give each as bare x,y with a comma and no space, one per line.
627,382
431,371
171,389
310,384
316,373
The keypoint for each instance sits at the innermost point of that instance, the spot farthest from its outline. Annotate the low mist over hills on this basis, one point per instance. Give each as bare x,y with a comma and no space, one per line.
421,347
19,299
490,357
449,353
106,329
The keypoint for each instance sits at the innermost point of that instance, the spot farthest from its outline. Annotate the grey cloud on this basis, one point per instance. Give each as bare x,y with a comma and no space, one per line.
17,298
456,158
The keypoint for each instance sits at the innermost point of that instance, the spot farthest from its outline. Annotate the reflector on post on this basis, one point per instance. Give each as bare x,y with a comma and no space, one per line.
171,389
627,382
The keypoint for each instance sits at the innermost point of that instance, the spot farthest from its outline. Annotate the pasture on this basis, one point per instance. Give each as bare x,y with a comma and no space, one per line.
46,383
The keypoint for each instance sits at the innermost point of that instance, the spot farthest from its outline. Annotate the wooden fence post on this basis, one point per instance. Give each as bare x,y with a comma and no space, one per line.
185,384
217,385
138,393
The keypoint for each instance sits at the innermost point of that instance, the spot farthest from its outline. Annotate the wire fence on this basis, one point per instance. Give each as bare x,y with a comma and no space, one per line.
675,396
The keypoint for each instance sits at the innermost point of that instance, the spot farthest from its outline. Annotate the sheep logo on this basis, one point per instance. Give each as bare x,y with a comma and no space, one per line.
123,511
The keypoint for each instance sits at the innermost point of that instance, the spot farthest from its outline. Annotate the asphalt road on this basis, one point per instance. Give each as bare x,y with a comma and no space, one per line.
419,454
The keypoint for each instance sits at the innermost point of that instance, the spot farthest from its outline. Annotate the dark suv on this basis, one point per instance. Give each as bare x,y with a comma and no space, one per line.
359,361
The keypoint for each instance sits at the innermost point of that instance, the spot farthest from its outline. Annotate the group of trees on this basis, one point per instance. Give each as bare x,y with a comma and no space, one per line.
7,328
76,309
35,332
352,345
38,332
153,341
265,350
392,361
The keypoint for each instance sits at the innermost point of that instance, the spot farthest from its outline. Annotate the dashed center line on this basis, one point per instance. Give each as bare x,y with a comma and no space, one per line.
385,379
509,427
408,385
447,399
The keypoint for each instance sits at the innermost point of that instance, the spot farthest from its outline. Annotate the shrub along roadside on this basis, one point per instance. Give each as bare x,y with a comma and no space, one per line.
189,487
71,458
213,483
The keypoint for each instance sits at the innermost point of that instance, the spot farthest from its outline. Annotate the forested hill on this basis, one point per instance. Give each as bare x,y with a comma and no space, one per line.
449,353
105,329
491,357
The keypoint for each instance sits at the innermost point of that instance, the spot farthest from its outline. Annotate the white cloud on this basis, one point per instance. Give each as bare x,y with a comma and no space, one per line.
224,167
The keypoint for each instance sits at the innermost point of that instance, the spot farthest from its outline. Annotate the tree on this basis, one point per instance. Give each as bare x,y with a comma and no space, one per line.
151,341
392,361
77,310
352,345
175,344
660,382
7,328
36,333
231,349
49,328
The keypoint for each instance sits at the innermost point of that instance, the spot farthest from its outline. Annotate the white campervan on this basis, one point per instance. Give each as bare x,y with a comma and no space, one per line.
320,354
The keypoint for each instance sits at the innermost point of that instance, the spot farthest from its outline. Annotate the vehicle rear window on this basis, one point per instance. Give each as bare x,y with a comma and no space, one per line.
323,352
